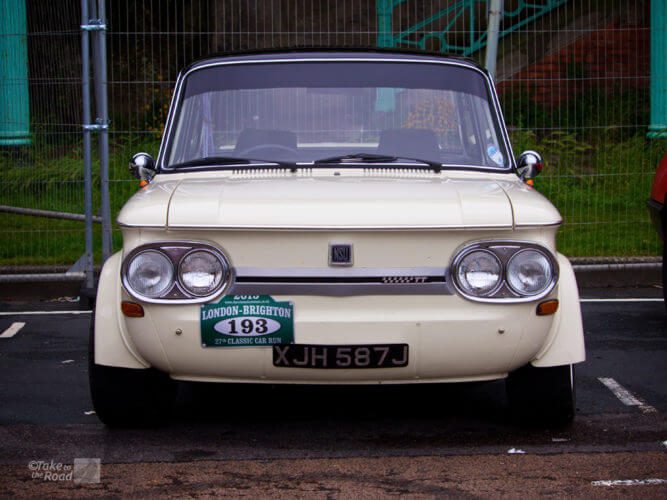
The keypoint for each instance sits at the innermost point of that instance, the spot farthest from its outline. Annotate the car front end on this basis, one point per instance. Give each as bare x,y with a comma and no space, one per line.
261,254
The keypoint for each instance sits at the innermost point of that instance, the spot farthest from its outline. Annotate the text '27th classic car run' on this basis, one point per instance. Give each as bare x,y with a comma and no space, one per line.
335,218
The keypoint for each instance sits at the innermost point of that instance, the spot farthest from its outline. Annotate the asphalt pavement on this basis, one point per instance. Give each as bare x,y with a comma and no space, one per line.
46,414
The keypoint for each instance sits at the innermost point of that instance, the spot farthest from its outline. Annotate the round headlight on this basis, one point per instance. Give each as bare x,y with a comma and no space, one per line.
202,273
529,272
150,273
478,273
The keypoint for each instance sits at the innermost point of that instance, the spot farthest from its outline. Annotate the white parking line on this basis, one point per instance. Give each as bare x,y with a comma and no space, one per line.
625,396
12,330
623,300
629,482
40,313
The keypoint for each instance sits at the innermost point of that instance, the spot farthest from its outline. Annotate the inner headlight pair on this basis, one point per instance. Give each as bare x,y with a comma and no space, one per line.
492,270
175,271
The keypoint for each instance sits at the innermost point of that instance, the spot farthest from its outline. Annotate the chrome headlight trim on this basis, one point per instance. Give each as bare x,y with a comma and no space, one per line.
509,264
504,250
175,251
167,279
459,260
223,280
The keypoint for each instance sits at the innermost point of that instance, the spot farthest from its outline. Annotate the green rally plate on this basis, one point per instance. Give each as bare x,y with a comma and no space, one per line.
246,321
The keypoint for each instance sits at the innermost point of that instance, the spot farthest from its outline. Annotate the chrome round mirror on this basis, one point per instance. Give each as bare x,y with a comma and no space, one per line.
529,164
142,166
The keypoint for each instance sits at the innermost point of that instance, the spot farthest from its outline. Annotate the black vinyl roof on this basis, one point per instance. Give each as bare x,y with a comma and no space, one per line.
279,54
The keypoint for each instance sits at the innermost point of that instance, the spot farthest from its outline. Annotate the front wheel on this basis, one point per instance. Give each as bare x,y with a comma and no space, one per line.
127,397
542,396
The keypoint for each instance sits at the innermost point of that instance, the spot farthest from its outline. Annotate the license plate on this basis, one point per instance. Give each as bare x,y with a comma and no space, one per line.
340,356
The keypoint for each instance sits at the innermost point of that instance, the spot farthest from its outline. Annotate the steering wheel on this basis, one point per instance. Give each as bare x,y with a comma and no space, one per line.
279,148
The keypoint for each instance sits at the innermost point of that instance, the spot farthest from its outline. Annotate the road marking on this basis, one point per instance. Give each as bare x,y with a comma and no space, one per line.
12,330
623,300
629,482
625,396
513,451
42,313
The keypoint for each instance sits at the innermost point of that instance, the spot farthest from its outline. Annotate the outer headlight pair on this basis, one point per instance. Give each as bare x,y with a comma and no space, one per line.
192,272
504,271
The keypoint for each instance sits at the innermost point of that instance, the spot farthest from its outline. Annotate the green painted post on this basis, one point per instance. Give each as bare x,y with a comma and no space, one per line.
385,11
658,126
385,99
14,98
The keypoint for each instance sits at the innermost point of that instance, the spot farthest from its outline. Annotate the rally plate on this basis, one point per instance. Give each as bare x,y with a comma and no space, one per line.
246,321
340,356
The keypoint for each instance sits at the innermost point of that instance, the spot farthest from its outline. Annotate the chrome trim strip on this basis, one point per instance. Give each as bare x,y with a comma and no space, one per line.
145,226
380,281
328,272
537,226
257,280
490,87
338,228
340,289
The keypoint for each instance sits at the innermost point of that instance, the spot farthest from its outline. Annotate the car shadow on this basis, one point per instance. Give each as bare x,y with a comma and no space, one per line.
259,403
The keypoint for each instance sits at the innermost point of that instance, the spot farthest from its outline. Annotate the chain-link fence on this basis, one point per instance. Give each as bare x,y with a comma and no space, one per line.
574,80
42,169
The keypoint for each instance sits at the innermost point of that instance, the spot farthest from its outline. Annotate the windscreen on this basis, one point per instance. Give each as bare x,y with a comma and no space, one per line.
305,111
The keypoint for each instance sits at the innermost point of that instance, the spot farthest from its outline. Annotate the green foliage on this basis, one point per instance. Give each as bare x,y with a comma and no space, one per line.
600,187
601,193
43,177
594,115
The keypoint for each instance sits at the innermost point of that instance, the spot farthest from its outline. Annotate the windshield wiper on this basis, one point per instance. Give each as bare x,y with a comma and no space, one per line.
376,158
214,161
357,158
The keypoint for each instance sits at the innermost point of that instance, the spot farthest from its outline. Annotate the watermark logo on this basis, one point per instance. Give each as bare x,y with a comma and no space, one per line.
84,470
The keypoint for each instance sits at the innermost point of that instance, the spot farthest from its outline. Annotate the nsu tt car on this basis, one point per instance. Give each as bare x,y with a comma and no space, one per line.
318,217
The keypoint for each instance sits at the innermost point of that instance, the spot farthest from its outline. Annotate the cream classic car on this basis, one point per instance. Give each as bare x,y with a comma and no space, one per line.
335,218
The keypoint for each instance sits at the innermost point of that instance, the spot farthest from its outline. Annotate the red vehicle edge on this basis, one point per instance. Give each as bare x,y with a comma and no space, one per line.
657,205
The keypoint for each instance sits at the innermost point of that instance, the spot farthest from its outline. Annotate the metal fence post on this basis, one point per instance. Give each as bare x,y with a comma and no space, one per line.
87,162
493,31
102,108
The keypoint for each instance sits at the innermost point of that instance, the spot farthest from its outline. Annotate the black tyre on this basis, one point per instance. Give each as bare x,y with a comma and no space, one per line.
126,397
542,396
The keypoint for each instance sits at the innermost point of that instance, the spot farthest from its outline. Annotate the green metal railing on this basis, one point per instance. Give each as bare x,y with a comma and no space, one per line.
462,11
658,126
14,101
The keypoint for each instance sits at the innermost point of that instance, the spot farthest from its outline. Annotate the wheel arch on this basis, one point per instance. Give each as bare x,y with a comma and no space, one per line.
112,344
565,344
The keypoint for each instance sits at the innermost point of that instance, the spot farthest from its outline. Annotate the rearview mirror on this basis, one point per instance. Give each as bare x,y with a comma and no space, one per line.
529,165
142,166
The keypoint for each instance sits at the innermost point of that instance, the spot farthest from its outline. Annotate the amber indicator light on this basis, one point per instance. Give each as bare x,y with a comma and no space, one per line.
547,307
132,309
